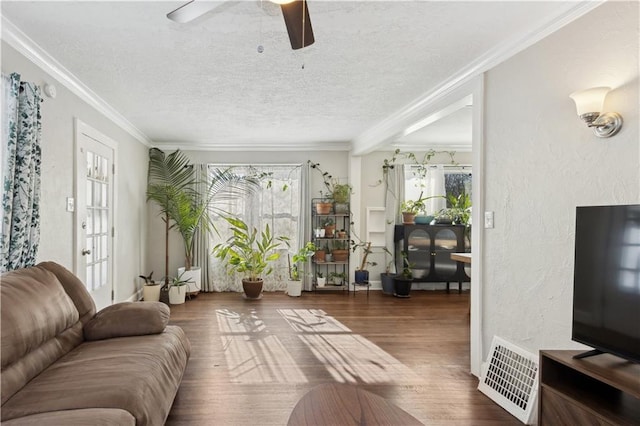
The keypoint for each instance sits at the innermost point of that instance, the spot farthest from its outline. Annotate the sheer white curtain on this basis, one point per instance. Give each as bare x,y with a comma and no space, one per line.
278,203
429,184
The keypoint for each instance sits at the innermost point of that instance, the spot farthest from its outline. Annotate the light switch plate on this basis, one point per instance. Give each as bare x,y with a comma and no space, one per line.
488,220
71,204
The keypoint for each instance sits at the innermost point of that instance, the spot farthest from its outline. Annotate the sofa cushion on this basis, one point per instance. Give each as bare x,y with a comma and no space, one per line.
39,325
139,374
128,319
84,417
75,288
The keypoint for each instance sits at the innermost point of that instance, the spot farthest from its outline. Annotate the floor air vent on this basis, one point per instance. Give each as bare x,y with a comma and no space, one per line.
510,378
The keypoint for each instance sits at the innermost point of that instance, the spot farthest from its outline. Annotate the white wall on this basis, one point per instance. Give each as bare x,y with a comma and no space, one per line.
56,238
541,162
332,162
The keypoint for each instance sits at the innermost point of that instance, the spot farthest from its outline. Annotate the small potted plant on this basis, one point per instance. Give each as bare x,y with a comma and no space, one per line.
320,254
178,289
294,285
249,253
387,278
324,205
151,288
362,274
403,281
321,280
340,251
337,278
329,227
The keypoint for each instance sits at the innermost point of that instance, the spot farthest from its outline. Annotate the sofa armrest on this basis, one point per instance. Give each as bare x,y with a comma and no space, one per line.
128,319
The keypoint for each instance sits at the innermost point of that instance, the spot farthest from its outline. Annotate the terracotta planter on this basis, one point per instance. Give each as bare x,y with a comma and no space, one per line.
323,208
320,256
341,234
252,289
340,255
408,218
328,231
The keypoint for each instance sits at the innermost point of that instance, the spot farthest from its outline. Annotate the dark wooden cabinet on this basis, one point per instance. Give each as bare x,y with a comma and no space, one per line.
429,249
599,390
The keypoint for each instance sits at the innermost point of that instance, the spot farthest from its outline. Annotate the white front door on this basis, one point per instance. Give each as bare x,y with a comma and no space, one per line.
94,213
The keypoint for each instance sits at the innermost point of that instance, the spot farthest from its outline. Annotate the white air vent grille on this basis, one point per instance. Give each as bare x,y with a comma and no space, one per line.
510,378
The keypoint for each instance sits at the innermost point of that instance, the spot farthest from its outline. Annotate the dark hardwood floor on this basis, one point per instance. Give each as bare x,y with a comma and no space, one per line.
251,361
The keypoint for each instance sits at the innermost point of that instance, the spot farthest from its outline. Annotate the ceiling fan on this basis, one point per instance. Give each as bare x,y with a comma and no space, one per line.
295,12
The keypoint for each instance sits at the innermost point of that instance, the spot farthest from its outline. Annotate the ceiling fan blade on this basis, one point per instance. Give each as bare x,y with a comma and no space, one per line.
191,10
296,17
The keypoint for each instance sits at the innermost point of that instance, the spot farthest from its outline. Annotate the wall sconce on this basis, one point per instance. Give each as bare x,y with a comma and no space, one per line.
589,104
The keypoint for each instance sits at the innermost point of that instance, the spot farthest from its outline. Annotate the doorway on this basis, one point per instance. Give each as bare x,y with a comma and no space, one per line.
94,219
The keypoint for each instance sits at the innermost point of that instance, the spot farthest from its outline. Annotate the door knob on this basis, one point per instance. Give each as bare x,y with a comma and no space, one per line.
85,252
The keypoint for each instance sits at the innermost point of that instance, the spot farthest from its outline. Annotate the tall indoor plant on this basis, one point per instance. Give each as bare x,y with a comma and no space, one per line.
168,176
249,253
191,211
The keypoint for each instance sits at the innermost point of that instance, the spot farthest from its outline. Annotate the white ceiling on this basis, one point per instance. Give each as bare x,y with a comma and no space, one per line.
204,84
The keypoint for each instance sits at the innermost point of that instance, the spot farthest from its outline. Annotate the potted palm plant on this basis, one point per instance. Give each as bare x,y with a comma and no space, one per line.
168,176
190,214
249,253
294,286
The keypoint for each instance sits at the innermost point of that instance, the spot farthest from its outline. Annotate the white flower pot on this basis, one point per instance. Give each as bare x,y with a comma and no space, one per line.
321,281
177,294
294,288
151,293
194,275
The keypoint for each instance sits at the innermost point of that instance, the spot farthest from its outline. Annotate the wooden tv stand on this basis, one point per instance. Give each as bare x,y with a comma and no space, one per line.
599,390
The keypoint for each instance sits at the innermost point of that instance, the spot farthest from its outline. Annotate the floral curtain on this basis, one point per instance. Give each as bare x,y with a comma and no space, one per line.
21,135
279,203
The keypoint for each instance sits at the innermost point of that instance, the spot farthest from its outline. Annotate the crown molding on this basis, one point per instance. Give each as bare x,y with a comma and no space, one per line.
384,132
15,38
252,146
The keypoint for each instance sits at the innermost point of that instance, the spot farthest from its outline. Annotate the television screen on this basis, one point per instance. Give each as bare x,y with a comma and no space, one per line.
606,288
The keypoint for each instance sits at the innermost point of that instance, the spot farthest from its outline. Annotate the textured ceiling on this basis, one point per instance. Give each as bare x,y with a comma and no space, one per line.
204,84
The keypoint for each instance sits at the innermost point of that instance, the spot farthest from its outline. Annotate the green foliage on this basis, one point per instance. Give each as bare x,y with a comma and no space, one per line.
340,192
460,210
168,176
417,206
247,251
328,222
302,255
179,281
407,267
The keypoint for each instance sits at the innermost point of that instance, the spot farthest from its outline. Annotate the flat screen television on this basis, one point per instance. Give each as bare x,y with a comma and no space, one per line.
606,288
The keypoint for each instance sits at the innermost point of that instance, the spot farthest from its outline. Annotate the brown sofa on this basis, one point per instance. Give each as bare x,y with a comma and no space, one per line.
65,364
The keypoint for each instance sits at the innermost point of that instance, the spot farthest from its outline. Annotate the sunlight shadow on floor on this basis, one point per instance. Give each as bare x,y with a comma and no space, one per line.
253,355
348,357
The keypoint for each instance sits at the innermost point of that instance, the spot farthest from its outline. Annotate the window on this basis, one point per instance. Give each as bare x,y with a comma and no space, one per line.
434,180
277,203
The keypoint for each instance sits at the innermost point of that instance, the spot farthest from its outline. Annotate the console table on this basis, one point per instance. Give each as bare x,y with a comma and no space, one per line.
429,249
